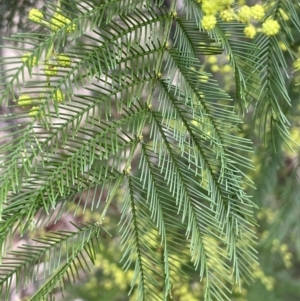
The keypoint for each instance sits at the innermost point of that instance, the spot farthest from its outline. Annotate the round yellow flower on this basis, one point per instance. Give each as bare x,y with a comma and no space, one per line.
244,14
209,22
227,15
215,68
210,7
50,70
24,100
63,60
226,69
250,31
58,96
35,15
257,12
270,27
212,59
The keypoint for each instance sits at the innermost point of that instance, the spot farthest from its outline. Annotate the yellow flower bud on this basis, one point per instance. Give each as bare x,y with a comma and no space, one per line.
212,59
58,21
227,15
210,7
282,46
209,22
31,61
283,248
296,64
288,264
71,28
35,15
250,31
58,96
244,14
34,111
284,14
288,256
215,68
226,69
63,60
50,70
225,2
257,12
24,100
203,78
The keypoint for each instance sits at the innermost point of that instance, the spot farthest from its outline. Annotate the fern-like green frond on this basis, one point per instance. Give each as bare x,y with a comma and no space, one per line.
107,102
30,261
272,66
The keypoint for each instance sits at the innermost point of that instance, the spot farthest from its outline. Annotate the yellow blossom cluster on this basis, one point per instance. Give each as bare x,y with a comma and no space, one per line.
26,100
270,27
284,252
268,214
57,21
267,281
51,68
52,60
210,9
245,14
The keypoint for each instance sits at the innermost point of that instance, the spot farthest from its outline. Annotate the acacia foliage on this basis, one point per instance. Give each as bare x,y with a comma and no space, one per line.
111,96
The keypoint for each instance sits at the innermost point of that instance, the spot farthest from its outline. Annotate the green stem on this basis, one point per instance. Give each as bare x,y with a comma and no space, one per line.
112,194
47,59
